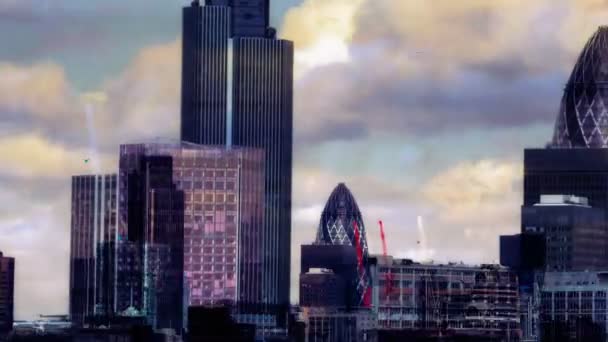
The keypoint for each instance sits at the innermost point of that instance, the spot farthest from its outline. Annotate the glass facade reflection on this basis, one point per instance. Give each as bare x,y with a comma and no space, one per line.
223,192
237,90
337,227
583,115
93,224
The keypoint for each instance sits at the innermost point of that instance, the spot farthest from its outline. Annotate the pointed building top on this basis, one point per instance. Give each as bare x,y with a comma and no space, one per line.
583,117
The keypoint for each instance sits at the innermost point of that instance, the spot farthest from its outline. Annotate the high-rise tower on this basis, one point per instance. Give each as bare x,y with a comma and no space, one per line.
342,224
237,90
93,225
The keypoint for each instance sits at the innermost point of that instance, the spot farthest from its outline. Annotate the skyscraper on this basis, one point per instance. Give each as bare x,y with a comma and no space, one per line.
223,191
93,224
237,90
583,115
7,292
342,224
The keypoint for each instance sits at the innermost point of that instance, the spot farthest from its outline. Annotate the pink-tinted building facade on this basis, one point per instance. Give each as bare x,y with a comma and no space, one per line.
223,191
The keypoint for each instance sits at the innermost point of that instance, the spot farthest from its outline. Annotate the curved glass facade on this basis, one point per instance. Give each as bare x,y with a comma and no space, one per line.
583,117
341,220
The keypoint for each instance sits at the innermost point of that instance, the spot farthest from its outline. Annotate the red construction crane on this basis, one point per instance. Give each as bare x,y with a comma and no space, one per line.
367,293
389,277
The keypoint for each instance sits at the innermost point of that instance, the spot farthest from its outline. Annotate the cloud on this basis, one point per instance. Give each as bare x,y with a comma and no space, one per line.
471,188
431,68
473,203
32,157
45,140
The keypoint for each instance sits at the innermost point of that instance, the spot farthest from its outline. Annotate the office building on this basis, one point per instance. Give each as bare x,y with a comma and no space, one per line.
342,224
576,234
150,240
581,172
573,306
223,217
583,115
237,90
333,324
320,287
464,300
93,224
7,293
339,263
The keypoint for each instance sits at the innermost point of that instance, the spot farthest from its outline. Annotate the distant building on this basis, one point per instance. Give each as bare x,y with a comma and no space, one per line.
7,293
456,299
332,324
582,172
583,116
342,224
340,263
576,234
237,90
93,226
150,243
574,306
223,215
321,288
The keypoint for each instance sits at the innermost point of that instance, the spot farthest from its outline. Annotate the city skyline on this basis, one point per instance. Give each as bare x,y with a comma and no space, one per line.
404,148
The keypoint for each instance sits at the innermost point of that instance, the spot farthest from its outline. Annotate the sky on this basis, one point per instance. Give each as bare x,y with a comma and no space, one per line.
422,107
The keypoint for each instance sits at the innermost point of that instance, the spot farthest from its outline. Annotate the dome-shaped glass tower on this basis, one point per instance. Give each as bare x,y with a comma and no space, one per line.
340,222
583,116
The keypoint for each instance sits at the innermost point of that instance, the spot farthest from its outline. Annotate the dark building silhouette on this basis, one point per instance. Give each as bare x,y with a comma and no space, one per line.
342,224
583,115
250,18
150,240
524,251
237,90
576,234
7,293
580,172
341,260
212,324
93,222
322,287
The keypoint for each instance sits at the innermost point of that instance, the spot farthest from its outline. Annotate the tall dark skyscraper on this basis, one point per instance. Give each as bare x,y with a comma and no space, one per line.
7,293
93,225
237,90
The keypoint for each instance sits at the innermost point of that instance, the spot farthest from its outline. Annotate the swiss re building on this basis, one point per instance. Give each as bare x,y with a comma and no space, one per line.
341,224
237,90
576,161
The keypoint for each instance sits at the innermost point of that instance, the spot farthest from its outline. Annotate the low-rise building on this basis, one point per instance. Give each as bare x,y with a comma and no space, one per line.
477,300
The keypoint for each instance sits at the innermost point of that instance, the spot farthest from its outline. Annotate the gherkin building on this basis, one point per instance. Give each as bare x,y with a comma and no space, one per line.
341,220
583,116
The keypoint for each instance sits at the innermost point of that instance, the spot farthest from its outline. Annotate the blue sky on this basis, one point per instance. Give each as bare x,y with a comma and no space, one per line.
422,107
